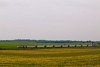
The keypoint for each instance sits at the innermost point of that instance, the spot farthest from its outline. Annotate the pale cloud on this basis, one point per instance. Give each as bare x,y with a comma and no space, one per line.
50,19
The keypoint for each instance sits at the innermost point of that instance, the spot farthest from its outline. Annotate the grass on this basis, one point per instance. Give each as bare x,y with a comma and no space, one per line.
54,57
13,45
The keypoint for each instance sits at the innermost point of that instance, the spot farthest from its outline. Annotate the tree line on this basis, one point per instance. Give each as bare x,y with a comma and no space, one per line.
47,41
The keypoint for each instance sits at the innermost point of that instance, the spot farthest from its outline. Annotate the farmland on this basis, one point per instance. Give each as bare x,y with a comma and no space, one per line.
11,56
54,57
13,44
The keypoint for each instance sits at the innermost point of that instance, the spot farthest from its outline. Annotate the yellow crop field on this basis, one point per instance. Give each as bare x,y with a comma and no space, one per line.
53,57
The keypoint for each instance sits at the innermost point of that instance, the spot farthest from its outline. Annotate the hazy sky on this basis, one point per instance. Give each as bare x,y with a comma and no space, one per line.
50,19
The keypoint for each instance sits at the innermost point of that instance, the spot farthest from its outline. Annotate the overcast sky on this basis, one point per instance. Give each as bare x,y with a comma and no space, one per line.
50,19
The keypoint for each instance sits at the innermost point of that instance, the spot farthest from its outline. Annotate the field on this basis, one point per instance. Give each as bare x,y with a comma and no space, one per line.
13,45
53,57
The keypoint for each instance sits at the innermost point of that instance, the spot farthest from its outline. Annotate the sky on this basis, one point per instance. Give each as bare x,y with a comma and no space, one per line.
50,19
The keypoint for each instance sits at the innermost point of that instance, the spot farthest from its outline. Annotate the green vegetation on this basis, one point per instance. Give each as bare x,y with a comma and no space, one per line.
13,45
54,57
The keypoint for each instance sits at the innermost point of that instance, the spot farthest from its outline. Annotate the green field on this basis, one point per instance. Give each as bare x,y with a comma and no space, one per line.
13,45
53,57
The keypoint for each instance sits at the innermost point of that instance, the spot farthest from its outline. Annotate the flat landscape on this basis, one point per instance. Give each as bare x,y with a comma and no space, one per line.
13,45
52,57
49,33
